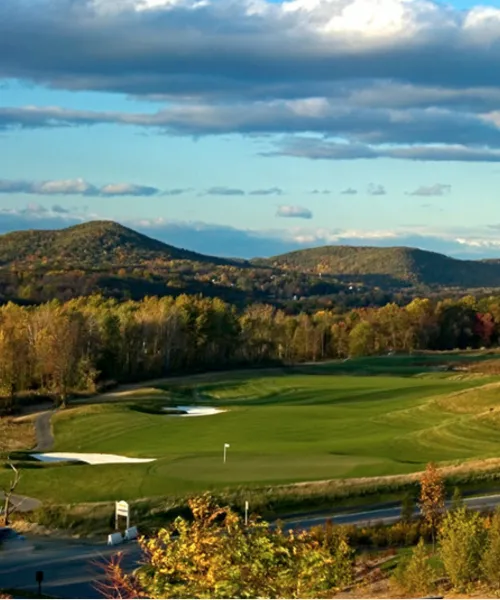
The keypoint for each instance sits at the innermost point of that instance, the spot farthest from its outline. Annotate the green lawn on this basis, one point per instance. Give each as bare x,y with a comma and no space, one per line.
359,418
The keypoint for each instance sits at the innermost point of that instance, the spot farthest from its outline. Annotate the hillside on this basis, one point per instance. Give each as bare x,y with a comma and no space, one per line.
107,258
92,244
394,265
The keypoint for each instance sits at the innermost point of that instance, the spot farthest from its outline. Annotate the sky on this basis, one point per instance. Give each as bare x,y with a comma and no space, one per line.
255,127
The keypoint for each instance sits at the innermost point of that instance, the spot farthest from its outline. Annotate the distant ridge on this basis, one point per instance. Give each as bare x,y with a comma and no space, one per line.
410,265
108,246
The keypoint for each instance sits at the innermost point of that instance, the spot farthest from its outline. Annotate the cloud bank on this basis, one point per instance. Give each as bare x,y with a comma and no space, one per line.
327,79
80,187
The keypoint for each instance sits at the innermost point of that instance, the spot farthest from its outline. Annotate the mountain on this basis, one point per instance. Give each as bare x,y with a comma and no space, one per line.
398,265
92,244
107,258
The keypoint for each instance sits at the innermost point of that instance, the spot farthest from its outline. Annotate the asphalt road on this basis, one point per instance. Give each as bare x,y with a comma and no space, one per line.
71,569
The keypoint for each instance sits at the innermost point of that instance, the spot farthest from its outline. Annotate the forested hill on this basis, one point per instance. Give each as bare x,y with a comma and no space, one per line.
115,261
416,267
92,244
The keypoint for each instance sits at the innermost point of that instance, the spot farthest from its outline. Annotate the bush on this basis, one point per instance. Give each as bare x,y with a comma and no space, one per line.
460,541
215,555
415,576
490,564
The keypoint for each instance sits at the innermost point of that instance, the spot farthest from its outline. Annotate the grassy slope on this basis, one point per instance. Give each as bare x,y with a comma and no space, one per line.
281,429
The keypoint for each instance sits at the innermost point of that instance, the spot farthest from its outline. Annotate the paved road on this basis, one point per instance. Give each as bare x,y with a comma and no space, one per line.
72,568
22,503
43,431
385,515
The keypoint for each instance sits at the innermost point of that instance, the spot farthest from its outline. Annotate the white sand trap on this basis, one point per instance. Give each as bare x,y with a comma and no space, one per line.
90,459
194,411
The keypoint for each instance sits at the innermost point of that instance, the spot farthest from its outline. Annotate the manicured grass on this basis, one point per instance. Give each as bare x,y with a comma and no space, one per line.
361,418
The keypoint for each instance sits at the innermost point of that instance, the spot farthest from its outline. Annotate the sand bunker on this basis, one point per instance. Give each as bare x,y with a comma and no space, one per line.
193,411
88,458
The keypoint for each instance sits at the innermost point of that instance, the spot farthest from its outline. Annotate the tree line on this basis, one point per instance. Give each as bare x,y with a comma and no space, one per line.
60,348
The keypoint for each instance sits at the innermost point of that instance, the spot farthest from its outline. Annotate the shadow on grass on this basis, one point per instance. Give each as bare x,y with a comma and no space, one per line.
303,396
407,365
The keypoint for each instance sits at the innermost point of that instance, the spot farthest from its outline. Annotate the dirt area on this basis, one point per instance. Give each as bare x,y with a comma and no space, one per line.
17,434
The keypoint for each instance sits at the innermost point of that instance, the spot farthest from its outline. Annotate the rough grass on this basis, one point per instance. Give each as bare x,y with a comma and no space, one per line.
341,421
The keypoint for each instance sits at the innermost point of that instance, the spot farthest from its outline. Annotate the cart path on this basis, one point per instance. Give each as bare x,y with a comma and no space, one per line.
43,431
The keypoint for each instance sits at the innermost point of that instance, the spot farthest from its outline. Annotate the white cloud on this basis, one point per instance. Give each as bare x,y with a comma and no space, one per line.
297,212
224,191
376,189
79,187
438,189
68,186
274,191
318,149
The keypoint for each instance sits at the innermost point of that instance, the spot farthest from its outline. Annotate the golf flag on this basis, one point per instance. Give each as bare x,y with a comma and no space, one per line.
226,445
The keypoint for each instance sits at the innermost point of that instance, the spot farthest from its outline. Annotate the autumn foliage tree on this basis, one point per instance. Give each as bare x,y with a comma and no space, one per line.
432,497
215,555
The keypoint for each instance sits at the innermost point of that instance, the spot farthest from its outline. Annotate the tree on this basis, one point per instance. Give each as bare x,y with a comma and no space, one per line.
490,563
58,349
216,556
432,497
362,339
13,345
460,542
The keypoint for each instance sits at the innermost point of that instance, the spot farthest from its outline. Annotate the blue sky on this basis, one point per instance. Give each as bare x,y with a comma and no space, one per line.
252,128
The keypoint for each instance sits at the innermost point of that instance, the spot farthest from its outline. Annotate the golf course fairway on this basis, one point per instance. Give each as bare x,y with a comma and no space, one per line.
371,417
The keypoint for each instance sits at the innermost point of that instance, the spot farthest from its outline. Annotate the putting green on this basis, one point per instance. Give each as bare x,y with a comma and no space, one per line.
361,418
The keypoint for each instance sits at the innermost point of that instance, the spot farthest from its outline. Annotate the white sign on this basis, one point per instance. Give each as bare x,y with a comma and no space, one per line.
122,510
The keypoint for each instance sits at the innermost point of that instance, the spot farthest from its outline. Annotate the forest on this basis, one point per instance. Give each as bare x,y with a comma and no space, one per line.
77,346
